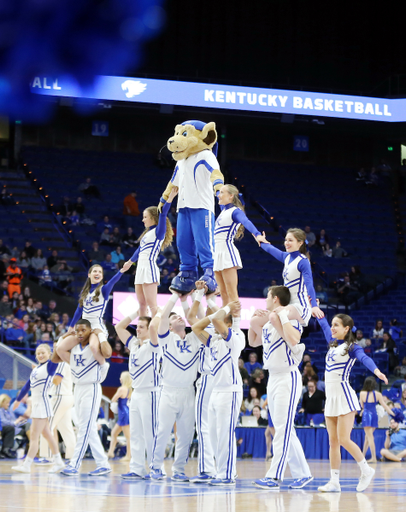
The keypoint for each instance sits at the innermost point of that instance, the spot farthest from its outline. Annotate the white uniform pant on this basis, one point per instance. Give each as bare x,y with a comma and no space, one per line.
224,409
175,405
87,405
61,421
143,422
205,453
284,390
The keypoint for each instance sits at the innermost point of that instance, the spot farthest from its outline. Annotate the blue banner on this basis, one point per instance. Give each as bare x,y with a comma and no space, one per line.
192,94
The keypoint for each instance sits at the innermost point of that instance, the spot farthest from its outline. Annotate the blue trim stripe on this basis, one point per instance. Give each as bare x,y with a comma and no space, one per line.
289,425
161,336
231,439
199,414
85,443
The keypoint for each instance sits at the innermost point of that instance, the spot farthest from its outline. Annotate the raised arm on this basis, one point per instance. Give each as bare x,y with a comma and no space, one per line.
106,289
305,269
257,322
121,327
199,329
359,353
273,251
196,311
219,317
161,228
153,328
174,182
326,329
164,323
289,332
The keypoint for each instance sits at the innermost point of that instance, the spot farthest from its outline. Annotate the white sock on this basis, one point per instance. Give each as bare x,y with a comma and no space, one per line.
364,466
335,475
58,458
28,461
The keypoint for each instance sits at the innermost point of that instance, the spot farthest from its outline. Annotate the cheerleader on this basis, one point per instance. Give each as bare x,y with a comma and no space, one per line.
369,415
121,397
157,235
341,400
92,304
40,381
297,276
229,225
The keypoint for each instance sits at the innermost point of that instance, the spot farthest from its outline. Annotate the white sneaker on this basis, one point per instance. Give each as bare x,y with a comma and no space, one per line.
23,468
365,480
330,487
57,467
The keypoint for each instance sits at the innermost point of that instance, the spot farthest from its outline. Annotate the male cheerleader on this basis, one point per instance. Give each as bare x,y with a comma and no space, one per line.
143,365
226,397
280,338
176,404
88,371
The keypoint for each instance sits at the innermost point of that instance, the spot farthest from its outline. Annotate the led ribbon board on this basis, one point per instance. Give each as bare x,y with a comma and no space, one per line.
192,94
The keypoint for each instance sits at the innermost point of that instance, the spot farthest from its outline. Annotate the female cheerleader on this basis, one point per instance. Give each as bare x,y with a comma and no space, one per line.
40,381
92,304
157,235
229,225
297,276
121,397
369,415
341,400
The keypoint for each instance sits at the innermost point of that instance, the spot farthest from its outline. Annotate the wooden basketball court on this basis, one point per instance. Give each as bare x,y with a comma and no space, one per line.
56,493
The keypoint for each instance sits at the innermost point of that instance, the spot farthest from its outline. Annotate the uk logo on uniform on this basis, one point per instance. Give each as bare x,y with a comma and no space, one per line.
331,356
79,360
134,360
213,353
185,348
88,301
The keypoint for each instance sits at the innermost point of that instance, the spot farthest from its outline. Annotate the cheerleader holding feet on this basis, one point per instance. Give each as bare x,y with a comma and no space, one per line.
92,304
119,404
341,400
157,235
40,381
297,276
229,226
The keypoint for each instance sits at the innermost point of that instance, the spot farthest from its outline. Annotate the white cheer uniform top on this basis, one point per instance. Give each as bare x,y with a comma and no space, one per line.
338,364
204,367
84,367
180,359
65,387
40,381
224,355
293,279
192,177
143,364
225,228
94,311
150,247
277,356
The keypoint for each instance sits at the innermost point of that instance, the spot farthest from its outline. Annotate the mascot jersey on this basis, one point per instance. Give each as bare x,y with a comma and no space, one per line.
192,177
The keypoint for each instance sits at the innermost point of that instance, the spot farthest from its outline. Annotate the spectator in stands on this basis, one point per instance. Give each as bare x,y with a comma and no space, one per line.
243,371
4,249
6,198
27,292
89,189
389,346
117,356
16,336
131,210
79,207
54,259
40,311
319,383
108,265
45,278
338,251
96,255
39,331
252,363
310,236
66,207
50,329
129,239
347,292
29,249
62,275
395,443
359,338
30,306
105,237
401,370
3,266
308,373
378,330
395,331
312,401
4,288
170,265
327,251
321,294
258,381
38,262
322,238
252,396
165,281
117,255
115,237
14,277
23,261
256,411
7,427
5,306
265,291
103,224
307,359
63,327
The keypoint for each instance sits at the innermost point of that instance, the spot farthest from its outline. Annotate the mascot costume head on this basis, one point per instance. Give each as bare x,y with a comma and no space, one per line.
198,177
